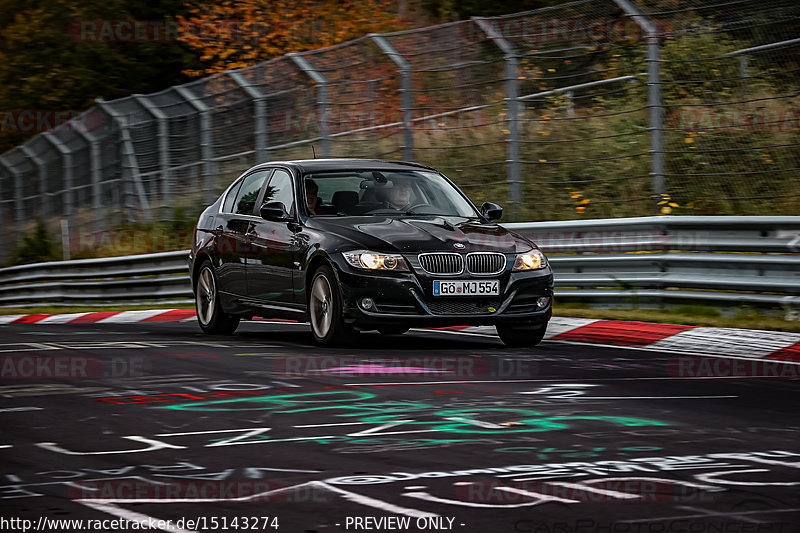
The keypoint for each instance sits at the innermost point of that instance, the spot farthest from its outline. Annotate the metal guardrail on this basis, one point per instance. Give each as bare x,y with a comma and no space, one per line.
646,262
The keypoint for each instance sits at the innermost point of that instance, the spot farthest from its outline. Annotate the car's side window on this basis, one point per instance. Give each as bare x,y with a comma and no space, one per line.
280,189
227,205
245,202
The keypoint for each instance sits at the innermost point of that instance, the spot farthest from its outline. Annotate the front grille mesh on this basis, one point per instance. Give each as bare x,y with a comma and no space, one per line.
457,307
486,263
442,263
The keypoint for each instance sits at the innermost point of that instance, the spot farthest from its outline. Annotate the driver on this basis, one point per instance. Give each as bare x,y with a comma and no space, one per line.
399,196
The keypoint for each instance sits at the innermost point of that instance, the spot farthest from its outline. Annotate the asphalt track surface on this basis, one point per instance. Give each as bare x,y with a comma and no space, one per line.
439,430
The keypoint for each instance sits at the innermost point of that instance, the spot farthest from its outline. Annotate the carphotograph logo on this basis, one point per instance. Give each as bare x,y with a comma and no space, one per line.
442,368
39,120
71,367
536,32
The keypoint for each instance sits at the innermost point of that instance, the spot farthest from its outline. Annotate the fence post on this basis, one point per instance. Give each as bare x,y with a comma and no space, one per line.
95,165
163,146
41,166
131,166
323,104
17,202
654,101
66,168
406,94
206,140
259,116
513,112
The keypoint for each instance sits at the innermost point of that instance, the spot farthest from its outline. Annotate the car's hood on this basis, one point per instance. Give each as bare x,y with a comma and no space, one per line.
424,233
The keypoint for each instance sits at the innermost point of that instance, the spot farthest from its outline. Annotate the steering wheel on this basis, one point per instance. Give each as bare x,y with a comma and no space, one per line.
416,206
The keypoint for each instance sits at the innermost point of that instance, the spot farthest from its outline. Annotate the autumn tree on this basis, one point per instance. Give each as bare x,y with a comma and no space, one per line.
231,34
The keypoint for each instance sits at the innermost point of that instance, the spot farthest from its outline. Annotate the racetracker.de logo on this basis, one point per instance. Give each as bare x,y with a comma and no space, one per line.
69,367
440,367
207,491
39,120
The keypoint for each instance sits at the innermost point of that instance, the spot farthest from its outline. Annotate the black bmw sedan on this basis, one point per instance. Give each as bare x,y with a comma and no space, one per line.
352,245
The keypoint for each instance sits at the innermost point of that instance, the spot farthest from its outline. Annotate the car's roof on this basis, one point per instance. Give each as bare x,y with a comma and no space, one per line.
319,165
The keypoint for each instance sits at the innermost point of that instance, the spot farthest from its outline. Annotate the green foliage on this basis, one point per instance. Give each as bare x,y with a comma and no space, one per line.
47,63
36,247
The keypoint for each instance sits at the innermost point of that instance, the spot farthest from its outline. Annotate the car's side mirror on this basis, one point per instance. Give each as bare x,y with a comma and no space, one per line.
275,211
491,211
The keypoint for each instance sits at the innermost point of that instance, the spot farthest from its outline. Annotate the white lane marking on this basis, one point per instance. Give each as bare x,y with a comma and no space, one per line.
132,516
372,502
604,492
709,488
647,397
284,383
16,409
131,316
61,319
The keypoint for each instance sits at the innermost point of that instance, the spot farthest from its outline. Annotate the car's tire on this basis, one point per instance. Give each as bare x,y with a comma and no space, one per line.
392,330
210,316
325,309
515,335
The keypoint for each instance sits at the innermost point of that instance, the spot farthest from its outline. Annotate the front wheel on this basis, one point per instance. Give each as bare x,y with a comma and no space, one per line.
210,316
515,335
325,309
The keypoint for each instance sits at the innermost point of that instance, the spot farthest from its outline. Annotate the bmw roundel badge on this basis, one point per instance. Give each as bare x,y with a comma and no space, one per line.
459,246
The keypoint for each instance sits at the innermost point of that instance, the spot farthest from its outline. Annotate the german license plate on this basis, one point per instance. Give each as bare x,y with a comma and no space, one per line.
466,287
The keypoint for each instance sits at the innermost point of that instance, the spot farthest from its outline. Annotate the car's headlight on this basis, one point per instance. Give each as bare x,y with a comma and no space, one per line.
376,261
529,261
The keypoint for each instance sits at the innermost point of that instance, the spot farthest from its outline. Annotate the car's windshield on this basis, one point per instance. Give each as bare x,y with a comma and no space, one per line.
384,192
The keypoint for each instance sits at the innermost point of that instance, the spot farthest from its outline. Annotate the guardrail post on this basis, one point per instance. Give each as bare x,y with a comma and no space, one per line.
259,116
206,141
41,166
163,146
323,103
513,112
406,93
654,100
130,168
66,165
742,55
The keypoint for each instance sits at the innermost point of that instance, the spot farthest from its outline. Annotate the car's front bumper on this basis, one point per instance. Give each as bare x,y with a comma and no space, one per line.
405,299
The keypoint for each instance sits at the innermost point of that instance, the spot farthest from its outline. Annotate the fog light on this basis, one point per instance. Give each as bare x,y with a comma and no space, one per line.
367,303
542,302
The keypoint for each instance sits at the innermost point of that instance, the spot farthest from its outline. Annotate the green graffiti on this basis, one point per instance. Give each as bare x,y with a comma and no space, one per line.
269,403
353,405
